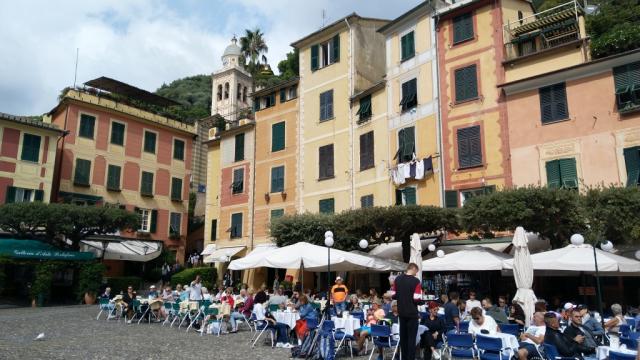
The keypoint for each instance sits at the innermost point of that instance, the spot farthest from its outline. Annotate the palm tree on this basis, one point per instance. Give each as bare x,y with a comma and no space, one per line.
254,48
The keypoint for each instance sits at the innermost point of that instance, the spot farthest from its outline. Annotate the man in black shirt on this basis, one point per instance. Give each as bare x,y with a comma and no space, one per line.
408,293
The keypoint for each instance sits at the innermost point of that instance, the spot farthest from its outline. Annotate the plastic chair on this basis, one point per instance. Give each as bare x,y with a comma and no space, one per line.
490,348
176,313
383,338
632,324
513,329
630,343
613,355
261,326
625,329
463,327
460,345
358,315
168,309
552,353
105,306
210,317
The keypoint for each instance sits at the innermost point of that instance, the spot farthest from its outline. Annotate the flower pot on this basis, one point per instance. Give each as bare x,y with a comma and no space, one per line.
89,298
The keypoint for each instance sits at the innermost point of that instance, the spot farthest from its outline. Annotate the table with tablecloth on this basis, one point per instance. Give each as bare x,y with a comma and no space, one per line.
288,318
509,342
349,324
603,352
395,329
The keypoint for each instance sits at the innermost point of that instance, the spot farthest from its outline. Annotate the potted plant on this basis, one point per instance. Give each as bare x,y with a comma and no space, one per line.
89,280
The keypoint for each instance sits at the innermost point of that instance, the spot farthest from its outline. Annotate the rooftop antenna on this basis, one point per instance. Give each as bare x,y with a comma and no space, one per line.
75,75
324,17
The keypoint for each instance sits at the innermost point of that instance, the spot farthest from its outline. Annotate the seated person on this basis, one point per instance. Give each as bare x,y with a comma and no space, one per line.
107,294
613,325
242,311
435,328
205,294
184,295
374,314
127,299
482,324
553,336
353,304
590,323
282,330
386,303
167,296
532,338
153,293
584,340
516,314
495,312
278,298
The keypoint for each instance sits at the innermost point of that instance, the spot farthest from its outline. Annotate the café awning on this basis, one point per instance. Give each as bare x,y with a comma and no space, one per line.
123,249
223,254
34,249
208,249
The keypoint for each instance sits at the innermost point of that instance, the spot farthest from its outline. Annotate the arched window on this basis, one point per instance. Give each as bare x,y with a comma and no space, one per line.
239,95
244,94
226,90
520,16
219,92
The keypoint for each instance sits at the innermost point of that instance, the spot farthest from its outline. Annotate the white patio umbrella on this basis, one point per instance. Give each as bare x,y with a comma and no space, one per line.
387,264
469,259
416,254
312,257
523,274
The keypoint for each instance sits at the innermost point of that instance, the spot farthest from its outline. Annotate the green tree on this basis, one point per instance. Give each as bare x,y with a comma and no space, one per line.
193,92
290,67
612,212
254,48
53,222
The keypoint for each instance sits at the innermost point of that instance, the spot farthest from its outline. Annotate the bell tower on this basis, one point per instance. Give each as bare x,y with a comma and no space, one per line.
232,85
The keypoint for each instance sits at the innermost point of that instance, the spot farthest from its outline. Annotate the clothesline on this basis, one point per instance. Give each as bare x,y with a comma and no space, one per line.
415,169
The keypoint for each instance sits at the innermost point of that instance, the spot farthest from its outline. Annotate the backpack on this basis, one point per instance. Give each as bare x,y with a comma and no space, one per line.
303,350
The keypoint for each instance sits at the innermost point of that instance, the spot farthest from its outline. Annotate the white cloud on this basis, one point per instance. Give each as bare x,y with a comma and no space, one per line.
144,42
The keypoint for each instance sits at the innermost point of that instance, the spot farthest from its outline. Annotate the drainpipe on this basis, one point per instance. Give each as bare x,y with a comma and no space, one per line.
434,39
352,194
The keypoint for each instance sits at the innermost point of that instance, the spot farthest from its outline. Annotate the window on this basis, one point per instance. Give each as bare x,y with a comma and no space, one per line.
407,45
451,199
214,229
462,28
553,103
175,220
469,147
326,105
176,189
526,46
406,196
293,92
239,93
236,225
277,213
226,90
30,148
366,151
146,184
87,125
406,144
150,142
237,187
270,100
409,95
627,83
562,173
470,193
326,162
326,206
178,149
283,95
219,92
244,94
113,177
364,112
256,103
466,86
277,179
117,133
632,163
83,170
17,195
148,220
277,136
239,147
366,201
326,53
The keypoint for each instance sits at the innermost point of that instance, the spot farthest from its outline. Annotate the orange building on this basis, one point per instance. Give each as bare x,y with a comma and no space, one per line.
474,118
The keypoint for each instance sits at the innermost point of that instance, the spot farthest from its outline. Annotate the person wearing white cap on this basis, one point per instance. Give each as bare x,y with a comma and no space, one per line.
153,293
339,294
567,309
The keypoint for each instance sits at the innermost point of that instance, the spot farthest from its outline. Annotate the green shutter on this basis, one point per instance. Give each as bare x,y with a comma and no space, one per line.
239,149
407,44
469,147
366,201
113,177
327,206
627,75
314,57
277,213
83,169
411,45
403,48
87,125
117,133
176,189
409,196
553,103
398,196
150,142
146,184
632,163
39,195
10,196
214,228
408,144
278,136
462,28
178,149
546,105
277,179
489,189
30,148
236,225
451,198
153,225
553,174
568,173
238,181
335,43
466,83
283,95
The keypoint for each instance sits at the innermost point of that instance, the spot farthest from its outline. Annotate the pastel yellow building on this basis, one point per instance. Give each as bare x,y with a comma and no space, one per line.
412,108
336,62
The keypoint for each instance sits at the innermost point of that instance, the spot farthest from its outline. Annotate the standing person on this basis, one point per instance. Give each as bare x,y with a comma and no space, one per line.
339,293
408,293
166,273
451,312
276,283
195,290
472,302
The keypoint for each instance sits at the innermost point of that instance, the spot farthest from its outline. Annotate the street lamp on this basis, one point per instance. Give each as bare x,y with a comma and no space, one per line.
363,244
105,245
328,242
431,247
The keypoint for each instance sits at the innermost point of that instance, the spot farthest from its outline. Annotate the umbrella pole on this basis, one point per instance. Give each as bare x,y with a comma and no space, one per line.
595,259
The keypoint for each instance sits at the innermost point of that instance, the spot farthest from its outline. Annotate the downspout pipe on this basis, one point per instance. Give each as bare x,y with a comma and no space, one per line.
351,54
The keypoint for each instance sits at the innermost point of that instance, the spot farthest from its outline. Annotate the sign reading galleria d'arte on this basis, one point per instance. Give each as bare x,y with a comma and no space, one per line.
51,254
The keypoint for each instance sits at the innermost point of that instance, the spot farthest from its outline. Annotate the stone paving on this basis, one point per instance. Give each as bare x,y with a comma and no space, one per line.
72,332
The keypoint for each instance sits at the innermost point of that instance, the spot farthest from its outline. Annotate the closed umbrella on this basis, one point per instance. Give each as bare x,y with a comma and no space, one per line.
523,274
416,254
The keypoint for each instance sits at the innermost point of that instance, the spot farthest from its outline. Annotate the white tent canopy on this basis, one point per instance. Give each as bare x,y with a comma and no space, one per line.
311,257
387,264
469,259
208,249
580,258
222,254
128,250
393,250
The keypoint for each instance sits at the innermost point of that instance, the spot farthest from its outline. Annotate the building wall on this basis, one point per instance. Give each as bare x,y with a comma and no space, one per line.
26,174
595,134
212,208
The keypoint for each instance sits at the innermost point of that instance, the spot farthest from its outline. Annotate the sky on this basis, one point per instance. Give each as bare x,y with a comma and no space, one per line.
145,42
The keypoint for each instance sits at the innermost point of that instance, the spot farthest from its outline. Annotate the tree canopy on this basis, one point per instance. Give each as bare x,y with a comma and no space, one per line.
254,48
194,92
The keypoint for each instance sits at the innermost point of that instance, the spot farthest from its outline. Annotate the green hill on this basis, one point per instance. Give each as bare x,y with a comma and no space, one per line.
194,92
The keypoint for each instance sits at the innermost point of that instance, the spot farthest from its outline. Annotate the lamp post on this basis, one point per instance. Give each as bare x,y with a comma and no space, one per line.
328,242
363,244
105,244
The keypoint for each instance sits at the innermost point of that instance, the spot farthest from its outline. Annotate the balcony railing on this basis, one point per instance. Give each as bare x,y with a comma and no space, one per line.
546,30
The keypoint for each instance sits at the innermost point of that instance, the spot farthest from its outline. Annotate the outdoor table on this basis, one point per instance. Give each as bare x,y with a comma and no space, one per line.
395,330
509,342
287,317
603,352
223,309
349,324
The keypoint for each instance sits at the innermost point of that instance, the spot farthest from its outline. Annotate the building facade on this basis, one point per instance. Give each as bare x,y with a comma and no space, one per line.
27,159
117,154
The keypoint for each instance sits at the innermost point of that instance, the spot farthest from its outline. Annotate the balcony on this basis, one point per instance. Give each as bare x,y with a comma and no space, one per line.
539,33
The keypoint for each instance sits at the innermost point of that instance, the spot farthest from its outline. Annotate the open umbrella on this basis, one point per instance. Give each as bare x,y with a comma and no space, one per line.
523,274
416,254
477,258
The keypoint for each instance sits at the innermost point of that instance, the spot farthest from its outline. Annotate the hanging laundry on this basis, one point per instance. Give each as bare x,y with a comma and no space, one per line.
412,170
419,170
406,170
397,176
428,165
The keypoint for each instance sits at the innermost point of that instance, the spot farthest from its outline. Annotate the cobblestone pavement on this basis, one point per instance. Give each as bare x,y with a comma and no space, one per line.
72,332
